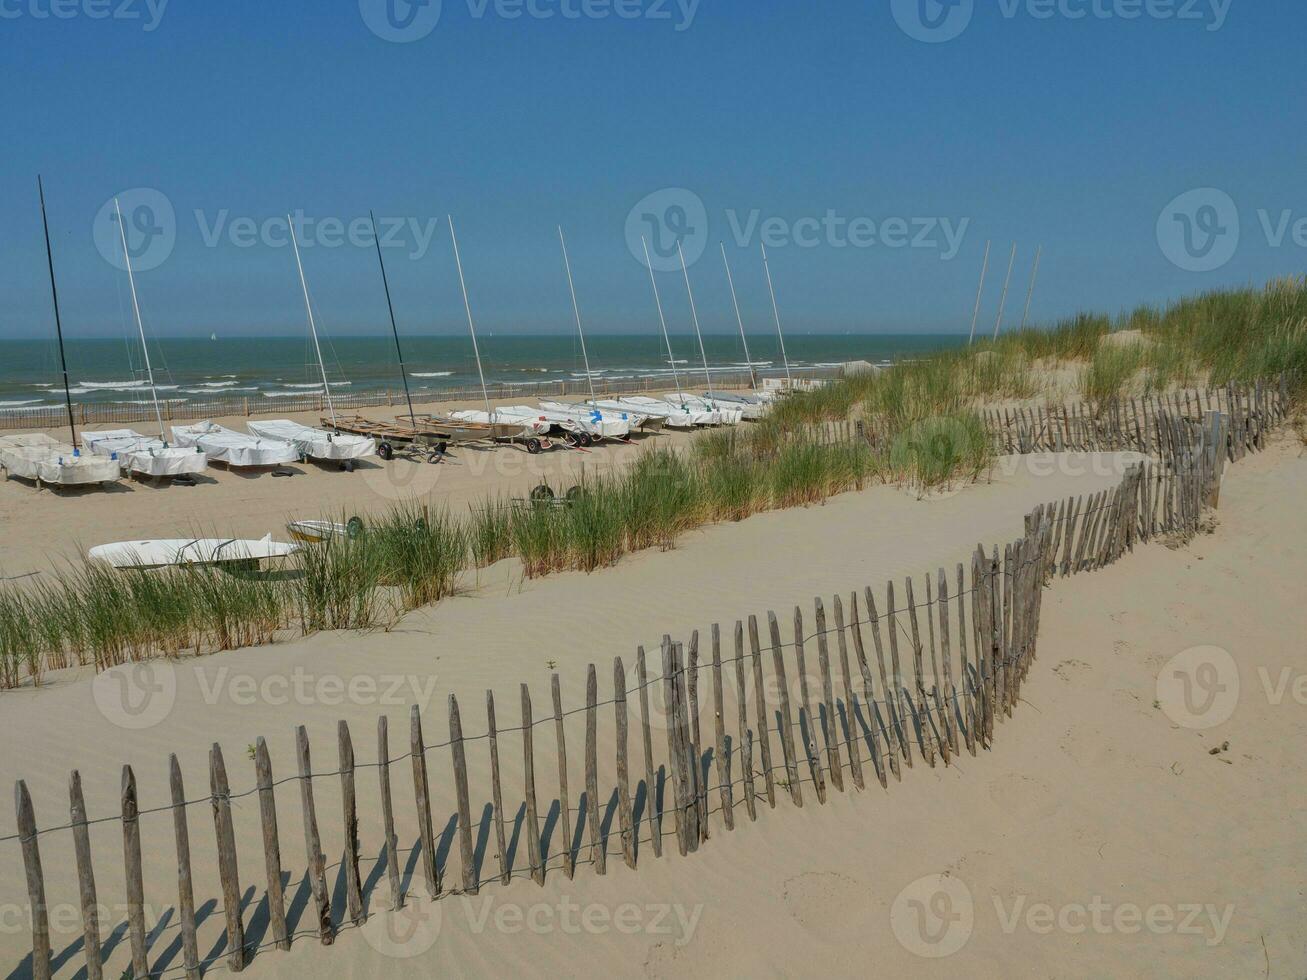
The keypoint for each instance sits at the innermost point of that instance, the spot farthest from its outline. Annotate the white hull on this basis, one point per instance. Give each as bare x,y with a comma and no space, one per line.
234,448
697,414
145,456
533,425
189,551
313,443
618,416
40,458
746,405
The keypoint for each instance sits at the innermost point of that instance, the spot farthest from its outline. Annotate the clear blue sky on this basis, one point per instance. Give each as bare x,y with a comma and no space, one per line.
1070,133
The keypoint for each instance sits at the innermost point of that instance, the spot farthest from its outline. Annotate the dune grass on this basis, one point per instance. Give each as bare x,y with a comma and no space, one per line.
924,432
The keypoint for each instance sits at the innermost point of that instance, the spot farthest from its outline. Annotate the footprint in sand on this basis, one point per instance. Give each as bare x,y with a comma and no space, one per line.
1088,747
1026,796
1069,670
826,902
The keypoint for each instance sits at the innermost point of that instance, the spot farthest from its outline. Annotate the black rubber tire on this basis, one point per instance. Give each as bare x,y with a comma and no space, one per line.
542,493
354,528
386,451
574,439
576,493
587,440
533,447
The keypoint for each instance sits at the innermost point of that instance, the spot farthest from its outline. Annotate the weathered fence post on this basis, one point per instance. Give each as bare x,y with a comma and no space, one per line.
458,756
532,829
350,825
271,845
185,891
564,799
317,864
27,835
220,798
132,865
85,877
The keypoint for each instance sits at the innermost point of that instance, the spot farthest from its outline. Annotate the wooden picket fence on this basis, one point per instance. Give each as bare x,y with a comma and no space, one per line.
941,664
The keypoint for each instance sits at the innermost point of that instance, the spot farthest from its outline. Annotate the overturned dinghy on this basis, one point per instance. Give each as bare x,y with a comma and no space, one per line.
161,553
145,456
46,461
234,449
320,445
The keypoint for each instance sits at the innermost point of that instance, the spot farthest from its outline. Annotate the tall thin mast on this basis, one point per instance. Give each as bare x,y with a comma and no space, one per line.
1002,303
576,308
412,416
671,358
313,327
980,290
1034,274
777,313
470,325
140,325
753,376
58,324
694,315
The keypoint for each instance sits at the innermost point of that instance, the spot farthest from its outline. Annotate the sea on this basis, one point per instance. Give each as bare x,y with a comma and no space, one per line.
265,369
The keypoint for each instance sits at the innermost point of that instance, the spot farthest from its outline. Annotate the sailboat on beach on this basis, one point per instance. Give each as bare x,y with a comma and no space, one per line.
38,457
320,445
138,454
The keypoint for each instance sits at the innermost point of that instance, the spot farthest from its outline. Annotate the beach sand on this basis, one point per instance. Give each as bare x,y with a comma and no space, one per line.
1092,795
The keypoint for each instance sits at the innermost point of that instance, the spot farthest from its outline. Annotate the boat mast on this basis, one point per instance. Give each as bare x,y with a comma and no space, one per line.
694,315
490,416
412,416
576,308
58,325
1002,303
980,290
1034,274
776,312
140,326
313,327
753,376
671,358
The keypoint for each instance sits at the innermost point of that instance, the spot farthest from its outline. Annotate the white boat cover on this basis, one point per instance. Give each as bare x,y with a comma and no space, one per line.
698,415
141,454
671,415
595,423
748,407
238,449
189,551
38,457
633,419
730,414
315,443
534,424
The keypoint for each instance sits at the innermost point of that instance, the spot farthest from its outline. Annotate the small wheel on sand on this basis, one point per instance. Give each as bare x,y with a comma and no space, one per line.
386,451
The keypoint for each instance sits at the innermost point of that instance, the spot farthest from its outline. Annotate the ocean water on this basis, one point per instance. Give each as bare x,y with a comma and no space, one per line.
268,368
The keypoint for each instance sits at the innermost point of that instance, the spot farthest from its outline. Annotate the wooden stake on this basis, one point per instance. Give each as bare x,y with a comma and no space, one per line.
271,845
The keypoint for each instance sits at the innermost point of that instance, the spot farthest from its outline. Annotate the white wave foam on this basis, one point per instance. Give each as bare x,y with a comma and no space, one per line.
110,385
433,374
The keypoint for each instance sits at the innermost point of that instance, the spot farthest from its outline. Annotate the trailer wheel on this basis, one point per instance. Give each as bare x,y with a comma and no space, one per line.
533,447
575,493
573,439
354,528
587,440
386,451
542,493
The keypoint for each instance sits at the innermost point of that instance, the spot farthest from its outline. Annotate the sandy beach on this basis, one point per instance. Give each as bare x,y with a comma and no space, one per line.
1090,794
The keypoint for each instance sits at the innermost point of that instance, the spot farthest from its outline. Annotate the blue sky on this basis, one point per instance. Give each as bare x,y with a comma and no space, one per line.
783,122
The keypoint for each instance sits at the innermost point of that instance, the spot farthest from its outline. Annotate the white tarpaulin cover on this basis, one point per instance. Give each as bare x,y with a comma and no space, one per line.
596,413
596,423
148,457
315,443
189,551
38,457
680,413
239,449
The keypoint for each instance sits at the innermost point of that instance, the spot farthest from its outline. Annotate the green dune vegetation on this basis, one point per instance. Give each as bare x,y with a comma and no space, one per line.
928,433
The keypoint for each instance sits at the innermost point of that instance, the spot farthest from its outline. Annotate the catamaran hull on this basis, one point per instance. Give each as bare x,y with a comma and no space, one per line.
234,449
190,551
316,444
